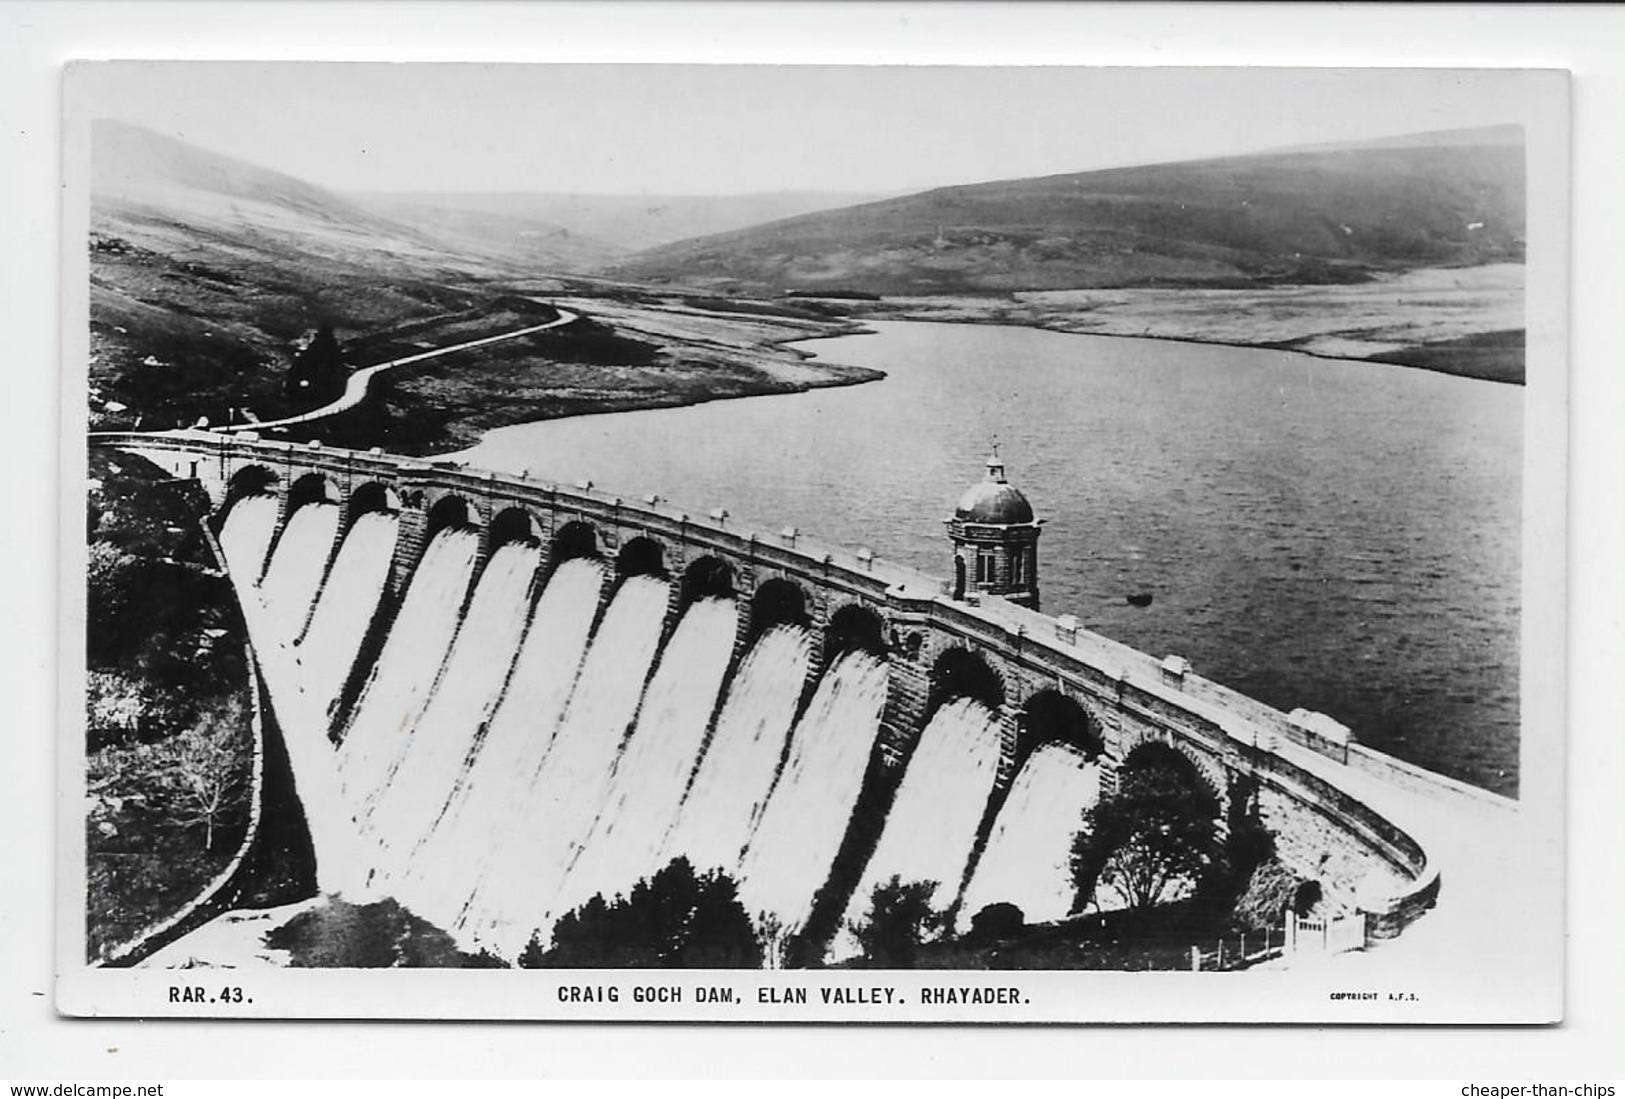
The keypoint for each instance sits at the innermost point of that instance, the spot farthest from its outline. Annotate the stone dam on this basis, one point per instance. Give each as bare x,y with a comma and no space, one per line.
500,696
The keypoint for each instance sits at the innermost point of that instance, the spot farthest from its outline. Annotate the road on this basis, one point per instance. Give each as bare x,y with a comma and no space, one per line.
355,390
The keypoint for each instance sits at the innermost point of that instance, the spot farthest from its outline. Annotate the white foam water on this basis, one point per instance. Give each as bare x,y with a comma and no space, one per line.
245,538
1027,860
931,827
407,667
652,772
294,575
444,741
793,845
344,609
490,799
730,788
563,803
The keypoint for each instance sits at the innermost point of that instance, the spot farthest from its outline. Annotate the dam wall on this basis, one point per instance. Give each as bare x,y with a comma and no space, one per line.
1029,680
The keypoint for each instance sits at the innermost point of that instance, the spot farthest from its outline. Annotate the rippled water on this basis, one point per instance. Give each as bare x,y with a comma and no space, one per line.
1341,536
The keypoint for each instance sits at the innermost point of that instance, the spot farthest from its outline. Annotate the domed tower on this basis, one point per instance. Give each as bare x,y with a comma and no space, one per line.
995,539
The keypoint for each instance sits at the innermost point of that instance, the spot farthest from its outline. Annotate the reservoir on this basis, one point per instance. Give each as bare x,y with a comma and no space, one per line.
1336,535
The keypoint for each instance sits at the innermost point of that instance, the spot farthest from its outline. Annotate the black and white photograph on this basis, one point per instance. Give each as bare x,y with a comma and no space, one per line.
813,543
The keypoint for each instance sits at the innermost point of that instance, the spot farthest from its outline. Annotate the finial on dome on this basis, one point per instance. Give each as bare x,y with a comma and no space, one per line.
995,464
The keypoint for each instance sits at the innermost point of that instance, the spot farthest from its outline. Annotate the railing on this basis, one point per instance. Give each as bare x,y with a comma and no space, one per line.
1239,951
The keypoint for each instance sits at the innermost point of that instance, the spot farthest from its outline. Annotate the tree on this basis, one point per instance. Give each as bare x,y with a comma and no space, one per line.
900,917
318,373
675,919
1156,833
209,776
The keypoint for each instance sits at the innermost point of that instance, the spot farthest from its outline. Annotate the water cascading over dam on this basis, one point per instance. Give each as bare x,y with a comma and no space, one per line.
731,785
1029,850
931,829
501,697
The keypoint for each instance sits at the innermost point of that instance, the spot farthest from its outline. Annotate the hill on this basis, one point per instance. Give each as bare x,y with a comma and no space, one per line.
208,274
622,223
1326,215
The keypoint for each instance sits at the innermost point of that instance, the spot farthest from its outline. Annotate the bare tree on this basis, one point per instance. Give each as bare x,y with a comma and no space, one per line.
209,780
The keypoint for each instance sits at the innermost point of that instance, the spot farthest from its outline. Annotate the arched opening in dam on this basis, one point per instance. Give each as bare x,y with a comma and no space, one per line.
641,556
372,497
1052,717
776,602
573,539
959,673
450,512
249,480
514,525
1154,754
705,578
854,628
312,488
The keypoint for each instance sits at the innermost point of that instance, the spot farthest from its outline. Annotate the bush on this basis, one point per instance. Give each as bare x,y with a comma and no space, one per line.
1002,920
676,919
899,919
1146,842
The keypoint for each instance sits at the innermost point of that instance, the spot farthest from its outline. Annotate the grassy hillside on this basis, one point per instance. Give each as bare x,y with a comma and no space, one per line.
207,272
622,223
1321,216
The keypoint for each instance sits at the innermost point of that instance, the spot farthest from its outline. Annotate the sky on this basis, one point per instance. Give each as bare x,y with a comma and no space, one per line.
726,129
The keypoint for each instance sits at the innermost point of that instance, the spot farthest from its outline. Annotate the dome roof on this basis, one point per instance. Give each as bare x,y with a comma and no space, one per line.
994,499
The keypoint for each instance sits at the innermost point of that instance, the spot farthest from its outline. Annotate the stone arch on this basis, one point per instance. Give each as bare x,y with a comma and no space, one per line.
641,556
704,577
1158,753
576,538
1050,716
854,626
448,511
373,496
250,480
514,524
312,488
960,673
776,602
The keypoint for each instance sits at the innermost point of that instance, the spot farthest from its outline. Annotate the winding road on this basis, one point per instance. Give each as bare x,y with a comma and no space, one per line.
355,390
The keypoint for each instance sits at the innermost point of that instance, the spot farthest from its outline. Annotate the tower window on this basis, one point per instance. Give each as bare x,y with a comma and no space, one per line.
1016,562
984,566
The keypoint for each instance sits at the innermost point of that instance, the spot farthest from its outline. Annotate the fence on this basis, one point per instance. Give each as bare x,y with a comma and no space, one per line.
1240,950
1329,935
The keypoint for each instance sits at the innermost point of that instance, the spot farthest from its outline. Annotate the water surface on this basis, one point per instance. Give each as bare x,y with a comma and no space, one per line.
1336,535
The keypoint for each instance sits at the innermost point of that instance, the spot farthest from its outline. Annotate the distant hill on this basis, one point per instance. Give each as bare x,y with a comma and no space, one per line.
515,234
206,270
172,190
1326,215
623,223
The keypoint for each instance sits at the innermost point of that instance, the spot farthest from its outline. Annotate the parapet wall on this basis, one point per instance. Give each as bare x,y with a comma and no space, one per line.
1305,769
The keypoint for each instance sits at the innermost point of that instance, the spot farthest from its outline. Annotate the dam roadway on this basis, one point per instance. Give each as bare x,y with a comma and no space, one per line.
1388,839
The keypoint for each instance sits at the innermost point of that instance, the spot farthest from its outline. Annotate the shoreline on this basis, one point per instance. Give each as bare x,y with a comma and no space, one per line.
1040,325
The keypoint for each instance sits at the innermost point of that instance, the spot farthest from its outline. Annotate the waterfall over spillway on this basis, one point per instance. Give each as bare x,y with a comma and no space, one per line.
651,775
1027,861
407,667
295,572
795,840
344,610
440,747
562,805
490,798
245,538
931,827
508,757
730,788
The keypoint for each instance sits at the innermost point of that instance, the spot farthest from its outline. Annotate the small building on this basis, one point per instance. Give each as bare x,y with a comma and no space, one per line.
995,539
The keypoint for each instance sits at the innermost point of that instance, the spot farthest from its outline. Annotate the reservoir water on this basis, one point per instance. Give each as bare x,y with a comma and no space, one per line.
1335,535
